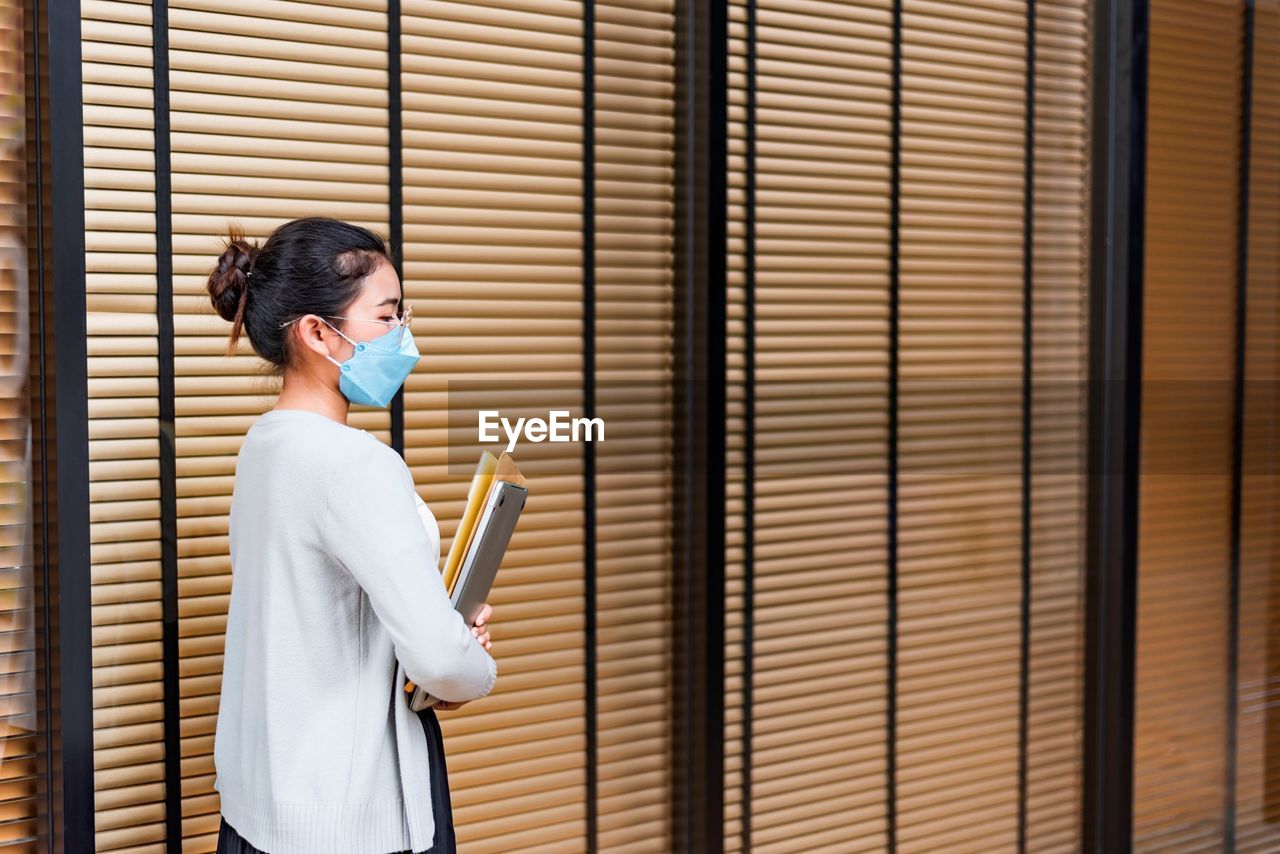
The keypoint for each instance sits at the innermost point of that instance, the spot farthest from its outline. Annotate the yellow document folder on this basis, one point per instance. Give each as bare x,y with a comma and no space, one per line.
489,471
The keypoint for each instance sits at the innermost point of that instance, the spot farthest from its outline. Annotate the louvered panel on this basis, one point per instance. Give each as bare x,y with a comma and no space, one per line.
1188,361
493,192
959,511
736,810
276,114
1258,783
821,338
124,438
634,74
1058,410
20,750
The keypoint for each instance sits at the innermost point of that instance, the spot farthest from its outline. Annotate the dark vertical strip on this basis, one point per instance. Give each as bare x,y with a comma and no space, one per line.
895,220
1242,304
168,450
64,425
749,432
699,441
1118,169
1028,306
589,407
395,190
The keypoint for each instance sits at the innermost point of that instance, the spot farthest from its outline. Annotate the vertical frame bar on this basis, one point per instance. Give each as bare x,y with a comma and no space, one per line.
589,410
895,219
1028,306
1242,304
63,412
167,451
395,190
1118,159
701,338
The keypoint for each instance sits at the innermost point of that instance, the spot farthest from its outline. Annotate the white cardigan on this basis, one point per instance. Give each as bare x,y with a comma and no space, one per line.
336,595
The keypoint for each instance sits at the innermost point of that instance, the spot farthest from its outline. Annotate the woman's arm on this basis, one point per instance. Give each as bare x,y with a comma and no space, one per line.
371,525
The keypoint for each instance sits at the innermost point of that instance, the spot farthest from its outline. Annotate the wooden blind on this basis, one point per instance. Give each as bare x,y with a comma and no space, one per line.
19,724
276,113
819,745
634,76
493,195
1258,755
1059,338
821,337
1189,342
124,434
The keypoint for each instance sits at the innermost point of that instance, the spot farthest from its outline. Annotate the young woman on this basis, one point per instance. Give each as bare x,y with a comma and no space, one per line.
336,597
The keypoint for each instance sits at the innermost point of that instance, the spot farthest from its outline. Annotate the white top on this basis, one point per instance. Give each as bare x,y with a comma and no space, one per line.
336,595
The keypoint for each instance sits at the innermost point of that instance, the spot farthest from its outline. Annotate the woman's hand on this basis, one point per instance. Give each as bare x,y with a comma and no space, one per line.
481,633
481,628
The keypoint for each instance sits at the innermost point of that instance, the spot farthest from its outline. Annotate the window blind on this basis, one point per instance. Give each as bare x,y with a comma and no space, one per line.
1190,284
276,113
493,205
815,240
821,229
634,144
1059,406
124,433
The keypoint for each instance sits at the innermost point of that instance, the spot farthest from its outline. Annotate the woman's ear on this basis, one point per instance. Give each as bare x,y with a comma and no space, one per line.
311,331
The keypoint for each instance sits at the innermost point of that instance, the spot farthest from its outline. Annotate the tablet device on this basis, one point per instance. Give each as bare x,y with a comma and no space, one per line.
480,565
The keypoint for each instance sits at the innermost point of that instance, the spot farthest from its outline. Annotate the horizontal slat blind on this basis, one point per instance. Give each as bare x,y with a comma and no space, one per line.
634,75
821,264
1258,784
493,195
736,810
277,112
1059,339
124,438
821,336
20,830
960,502
1189,340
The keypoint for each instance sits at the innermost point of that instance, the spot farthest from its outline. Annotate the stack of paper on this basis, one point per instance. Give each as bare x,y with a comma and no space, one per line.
482,499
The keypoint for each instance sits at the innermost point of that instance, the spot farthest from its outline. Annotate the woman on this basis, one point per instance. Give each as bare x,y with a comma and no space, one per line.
336,594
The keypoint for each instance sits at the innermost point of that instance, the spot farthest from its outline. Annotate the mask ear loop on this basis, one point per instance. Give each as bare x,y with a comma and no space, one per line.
339,331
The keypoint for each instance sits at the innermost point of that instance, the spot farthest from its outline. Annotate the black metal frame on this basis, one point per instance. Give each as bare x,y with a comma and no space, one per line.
166,418
891,497
1118,159
1028,327
60,415
700,361
1237,429
395,188
589,548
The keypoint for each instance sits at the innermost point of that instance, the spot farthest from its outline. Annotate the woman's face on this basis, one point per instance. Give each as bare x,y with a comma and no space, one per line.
378,301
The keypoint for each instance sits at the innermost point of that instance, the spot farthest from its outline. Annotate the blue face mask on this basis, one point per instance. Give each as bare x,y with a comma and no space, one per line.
377,368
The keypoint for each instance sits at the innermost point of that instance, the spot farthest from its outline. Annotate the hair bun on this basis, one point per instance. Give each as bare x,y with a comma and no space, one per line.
228,283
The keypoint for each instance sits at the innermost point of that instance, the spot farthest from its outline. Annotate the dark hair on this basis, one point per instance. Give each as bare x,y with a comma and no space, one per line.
313,265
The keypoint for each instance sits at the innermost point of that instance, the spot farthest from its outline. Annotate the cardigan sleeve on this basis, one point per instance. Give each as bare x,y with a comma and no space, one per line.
372,525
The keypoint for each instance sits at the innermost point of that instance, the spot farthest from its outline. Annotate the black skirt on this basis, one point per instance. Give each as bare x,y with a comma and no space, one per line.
231,842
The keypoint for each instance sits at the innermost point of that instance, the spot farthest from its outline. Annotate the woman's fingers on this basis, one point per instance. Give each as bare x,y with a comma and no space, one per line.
485,613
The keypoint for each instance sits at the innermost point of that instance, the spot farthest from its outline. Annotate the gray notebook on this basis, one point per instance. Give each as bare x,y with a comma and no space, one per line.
480,565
